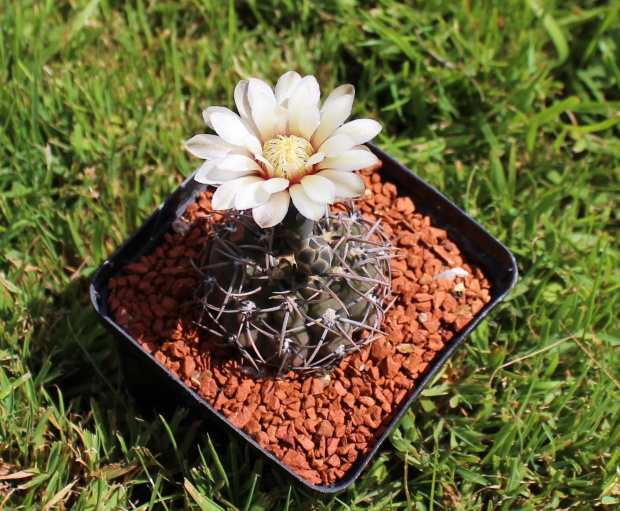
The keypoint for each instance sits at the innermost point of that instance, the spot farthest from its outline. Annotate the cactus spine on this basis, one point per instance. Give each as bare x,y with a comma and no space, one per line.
297,296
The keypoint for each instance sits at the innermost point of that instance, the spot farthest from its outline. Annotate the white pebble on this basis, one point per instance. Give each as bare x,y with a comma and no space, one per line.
452,273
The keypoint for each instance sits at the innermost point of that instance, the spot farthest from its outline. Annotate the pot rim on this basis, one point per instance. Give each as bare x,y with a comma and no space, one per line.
477,245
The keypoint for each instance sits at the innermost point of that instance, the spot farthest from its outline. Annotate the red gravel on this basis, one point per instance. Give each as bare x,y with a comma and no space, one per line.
316,426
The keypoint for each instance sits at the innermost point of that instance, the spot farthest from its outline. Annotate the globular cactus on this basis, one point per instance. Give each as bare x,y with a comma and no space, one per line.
296,296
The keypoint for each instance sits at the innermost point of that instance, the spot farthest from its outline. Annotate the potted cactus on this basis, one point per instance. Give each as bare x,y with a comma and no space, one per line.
285,280
294,297
304,302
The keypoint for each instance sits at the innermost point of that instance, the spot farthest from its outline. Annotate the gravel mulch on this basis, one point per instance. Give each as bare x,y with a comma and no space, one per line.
318,426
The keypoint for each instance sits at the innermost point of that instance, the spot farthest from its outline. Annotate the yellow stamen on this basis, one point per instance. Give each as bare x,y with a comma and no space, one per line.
288,155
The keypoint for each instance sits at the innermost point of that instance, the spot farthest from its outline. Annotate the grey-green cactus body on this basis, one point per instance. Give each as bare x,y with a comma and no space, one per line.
294,301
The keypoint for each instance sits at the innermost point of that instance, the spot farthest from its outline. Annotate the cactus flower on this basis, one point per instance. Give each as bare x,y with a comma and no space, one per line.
284,146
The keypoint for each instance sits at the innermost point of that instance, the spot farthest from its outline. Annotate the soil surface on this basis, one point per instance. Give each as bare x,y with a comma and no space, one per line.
317,426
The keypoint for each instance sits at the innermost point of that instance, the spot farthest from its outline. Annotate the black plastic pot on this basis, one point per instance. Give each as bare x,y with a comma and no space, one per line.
477,246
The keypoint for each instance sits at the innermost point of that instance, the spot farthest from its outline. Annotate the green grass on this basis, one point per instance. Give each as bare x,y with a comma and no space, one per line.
510,107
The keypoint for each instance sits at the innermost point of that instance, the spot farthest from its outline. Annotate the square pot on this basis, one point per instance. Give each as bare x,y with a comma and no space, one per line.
476,245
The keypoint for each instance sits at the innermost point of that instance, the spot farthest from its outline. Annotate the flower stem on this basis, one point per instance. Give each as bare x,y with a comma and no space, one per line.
296,227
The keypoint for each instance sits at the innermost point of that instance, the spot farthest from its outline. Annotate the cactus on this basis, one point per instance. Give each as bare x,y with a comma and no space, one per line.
297,296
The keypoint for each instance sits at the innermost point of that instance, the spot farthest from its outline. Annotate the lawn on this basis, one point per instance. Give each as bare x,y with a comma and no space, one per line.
510,107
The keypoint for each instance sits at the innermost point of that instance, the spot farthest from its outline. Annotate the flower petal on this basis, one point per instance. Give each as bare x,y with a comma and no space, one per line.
224,196
336,145
203,172
314,159
253,144
241,99
343,90
233,130
243,106
313,85
259,91
273,211
209,147
331,118
353,159
305,205
264,118
303,112
208,112
276,184
319,188
308,122
266,164
262,105
360,130
348,185
280,115
217,176
237,163
259,192
287,82
252,195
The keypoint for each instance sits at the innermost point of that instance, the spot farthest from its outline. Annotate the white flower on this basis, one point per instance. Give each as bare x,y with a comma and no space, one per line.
283,145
